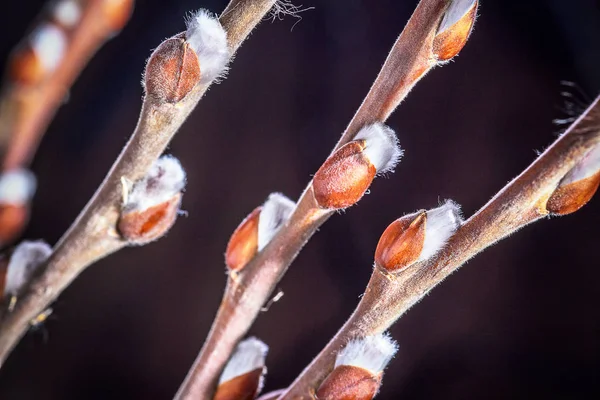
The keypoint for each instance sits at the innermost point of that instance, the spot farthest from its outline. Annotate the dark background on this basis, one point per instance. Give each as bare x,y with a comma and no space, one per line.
521,320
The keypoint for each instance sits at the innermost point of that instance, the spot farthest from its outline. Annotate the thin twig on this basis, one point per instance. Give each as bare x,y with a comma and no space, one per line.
93,235
411,57
522,201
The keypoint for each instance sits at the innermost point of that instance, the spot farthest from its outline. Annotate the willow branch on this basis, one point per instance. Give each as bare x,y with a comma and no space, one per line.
522,201
35,86
93,235
418,49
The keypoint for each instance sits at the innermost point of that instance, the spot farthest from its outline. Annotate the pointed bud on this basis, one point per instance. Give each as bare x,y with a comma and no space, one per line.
178,64
243,244
417,237
22,264
455,28
578,186
39,56
117,13
151,206
242,378
358,369
347,174
16,190
257,230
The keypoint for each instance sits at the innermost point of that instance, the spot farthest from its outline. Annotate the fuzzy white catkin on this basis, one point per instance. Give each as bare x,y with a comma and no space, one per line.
49,44
208,39
25,259
456,10
588,166
165,179
440,225
17,186
382,147
275,212
249,355
67,12
372,353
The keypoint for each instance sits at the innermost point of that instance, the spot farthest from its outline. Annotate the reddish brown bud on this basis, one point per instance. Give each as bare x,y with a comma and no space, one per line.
172,71
243,243
569,198
242,387
348,382
147,225
344,177
454,33
25,67
13,218
402,242
117,13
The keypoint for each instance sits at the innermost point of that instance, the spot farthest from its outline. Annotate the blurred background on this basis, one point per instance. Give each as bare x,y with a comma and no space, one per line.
519,321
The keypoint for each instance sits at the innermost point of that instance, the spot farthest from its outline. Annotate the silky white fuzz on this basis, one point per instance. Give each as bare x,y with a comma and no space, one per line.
67,13
275,212
165,179
208,39
249,355
456,10
588,166
382,146
17,186
25,259
372,353
441,224
49,44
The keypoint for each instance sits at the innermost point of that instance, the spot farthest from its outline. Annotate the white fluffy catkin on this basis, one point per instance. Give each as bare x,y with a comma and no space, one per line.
67,12
382,146
372,353
208,39
275,212
25,259
456,10
249,355
165,179
17,186
49,44
588,166
441,224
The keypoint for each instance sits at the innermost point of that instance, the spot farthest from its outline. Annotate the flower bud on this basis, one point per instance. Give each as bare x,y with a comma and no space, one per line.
346,175
16,190
20,266
455,28
39,55
358,369
151,207
257,230
578,186
178,64
242,378
417,237
116,13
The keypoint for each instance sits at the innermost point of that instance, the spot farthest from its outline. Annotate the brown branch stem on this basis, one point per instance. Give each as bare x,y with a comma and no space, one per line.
522,201
410,58
93,235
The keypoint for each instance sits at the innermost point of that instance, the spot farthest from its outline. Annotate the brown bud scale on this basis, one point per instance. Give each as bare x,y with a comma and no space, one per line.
402,242
13,219
243,387
243,243
173,70
571,197
25,67
140,227
344,177
449,43
348,382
